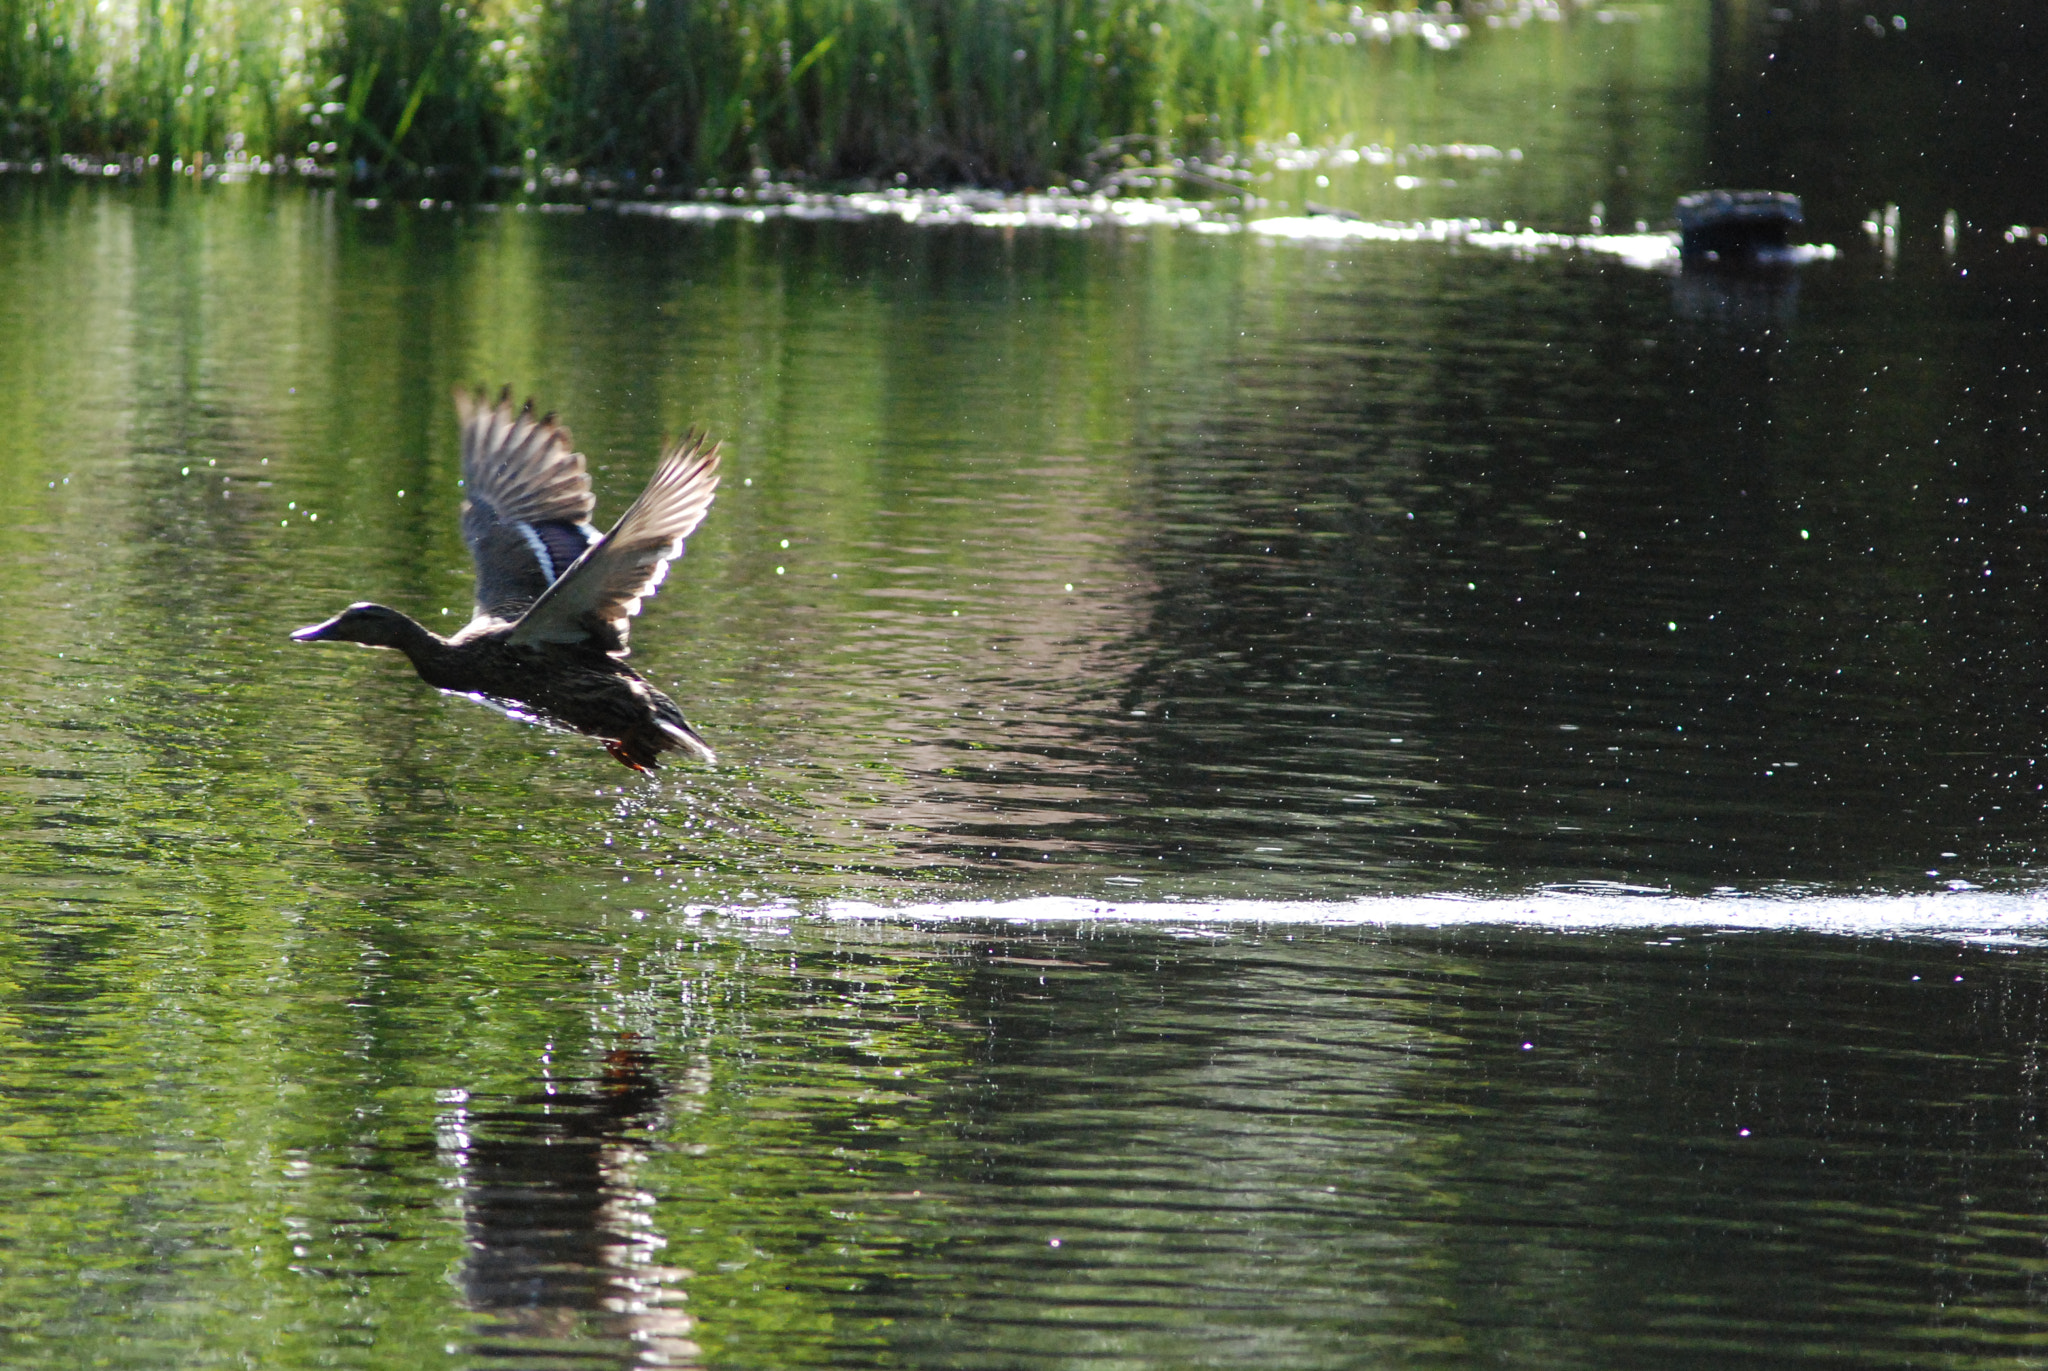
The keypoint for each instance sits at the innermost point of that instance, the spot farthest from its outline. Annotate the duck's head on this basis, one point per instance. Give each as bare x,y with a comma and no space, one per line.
368,624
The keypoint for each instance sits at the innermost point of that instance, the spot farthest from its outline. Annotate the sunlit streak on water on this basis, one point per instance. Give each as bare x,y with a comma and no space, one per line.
1967,915
1056,210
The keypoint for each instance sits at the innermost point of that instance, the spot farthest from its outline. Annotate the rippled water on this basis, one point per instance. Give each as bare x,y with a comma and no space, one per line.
1319,800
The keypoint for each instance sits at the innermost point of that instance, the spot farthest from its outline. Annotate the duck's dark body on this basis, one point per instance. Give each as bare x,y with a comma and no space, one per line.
545,644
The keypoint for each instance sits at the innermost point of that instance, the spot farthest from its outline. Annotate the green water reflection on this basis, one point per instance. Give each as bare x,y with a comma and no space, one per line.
347,1024
781,1145
1046,559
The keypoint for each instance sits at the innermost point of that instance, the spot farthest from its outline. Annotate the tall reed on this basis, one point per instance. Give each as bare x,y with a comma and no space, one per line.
170,77
988,91
978,90
418,84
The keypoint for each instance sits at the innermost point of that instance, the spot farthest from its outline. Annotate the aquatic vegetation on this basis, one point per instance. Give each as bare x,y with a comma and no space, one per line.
1022,92
935,89
156,77
415,84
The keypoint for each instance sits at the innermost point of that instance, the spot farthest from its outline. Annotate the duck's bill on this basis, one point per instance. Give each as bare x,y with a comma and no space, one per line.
313,633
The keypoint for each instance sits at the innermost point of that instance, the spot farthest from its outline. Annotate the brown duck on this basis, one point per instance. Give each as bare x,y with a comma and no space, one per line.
553,595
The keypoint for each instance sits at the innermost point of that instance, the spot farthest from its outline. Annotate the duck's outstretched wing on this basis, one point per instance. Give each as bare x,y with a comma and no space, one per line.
595,598
526,517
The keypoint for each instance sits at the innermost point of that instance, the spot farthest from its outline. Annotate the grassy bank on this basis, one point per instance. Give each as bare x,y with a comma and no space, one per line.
991,91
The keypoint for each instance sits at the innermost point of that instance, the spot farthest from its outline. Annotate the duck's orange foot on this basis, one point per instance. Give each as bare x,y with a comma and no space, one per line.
618,750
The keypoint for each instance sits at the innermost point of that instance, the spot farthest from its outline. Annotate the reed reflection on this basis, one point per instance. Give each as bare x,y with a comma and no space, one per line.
563,1253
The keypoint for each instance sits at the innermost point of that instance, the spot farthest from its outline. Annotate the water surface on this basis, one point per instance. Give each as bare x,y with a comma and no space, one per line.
1314,803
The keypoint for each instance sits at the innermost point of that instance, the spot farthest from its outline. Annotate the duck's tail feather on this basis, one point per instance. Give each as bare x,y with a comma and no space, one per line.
642,748
684,738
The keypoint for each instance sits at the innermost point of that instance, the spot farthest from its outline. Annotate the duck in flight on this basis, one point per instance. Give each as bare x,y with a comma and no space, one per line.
553,595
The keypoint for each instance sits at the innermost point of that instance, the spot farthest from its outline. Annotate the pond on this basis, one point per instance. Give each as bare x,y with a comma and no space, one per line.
1291,802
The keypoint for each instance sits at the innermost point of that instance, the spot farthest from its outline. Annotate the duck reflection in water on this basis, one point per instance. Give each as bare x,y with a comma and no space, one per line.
562,1244
554,597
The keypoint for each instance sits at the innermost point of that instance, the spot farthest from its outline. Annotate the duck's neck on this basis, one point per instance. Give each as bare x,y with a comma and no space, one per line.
433,656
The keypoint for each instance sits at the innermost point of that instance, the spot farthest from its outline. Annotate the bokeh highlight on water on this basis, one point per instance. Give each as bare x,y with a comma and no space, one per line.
1324,803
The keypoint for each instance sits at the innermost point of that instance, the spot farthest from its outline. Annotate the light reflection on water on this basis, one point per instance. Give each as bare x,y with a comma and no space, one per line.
1961,914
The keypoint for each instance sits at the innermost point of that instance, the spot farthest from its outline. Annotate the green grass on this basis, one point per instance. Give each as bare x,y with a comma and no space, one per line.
1001,92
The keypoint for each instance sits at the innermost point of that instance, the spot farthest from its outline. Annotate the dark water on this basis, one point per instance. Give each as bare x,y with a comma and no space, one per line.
1358,805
